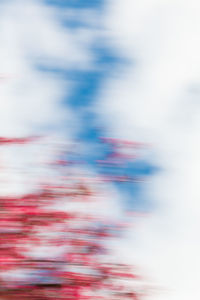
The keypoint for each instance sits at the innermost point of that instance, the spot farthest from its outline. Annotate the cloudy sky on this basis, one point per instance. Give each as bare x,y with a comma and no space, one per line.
127,69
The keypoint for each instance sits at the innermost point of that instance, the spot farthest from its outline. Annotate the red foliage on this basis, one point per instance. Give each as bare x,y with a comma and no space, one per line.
74,264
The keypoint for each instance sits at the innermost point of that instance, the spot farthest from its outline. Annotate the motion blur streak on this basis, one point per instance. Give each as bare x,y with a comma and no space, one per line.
56,241
99,149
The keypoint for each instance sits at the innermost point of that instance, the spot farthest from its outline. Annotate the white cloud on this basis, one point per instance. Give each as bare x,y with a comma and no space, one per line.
31,101
31,35
156,100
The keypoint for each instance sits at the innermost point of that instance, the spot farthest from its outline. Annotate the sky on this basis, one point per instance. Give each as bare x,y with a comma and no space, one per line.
81,70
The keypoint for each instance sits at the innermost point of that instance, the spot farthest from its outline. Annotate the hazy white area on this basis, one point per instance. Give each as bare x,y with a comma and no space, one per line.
156,99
